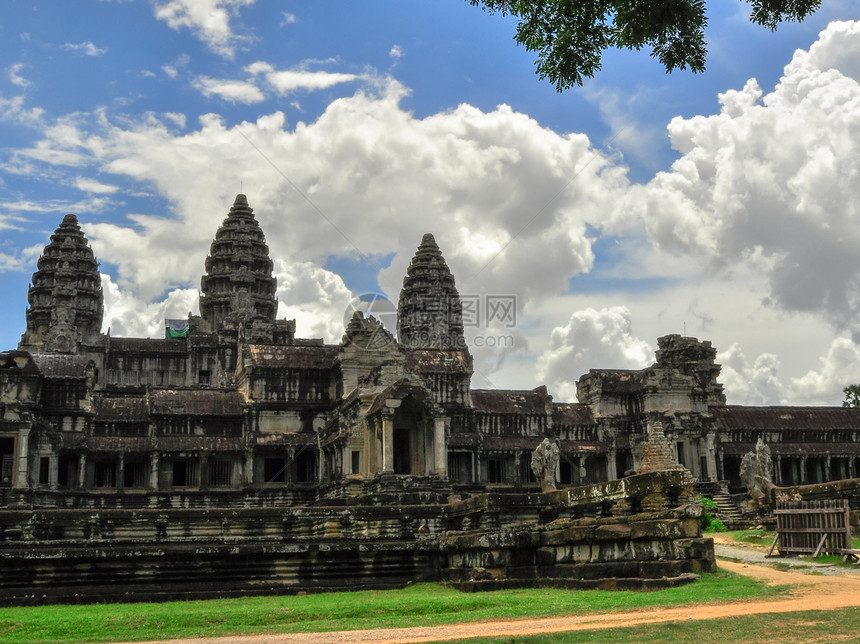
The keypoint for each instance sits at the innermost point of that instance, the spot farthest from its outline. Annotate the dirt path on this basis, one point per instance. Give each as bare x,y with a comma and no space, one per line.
811,592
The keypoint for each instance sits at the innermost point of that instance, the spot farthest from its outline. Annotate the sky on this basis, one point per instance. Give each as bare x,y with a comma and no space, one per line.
580,226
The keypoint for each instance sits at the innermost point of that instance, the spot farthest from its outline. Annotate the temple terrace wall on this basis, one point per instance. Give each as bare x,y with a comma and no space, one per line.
638,532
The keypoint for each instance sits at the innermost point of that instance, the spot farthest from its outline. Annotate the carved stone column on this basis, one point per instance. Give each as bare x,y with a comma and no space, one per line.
711,458
387,444
203,484
440,447
23,465
153,471
54,472
82,471
611,465
248,474
120,473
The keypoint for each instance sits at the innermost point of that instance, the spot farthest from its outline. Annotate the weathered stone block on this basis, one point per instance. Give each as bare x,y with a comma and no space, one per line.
612,551
649,550
575,553
573,534
658,529
546,556
612,532
695,548
663,568
591,570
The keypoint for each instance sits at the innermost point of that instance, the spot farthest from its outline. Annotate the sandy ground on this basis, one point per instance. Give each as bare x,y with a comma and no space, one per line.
811,592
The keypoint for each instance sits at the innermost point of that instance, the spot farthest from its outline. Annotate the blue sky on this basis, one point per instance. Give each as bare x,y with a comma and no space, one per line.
638,205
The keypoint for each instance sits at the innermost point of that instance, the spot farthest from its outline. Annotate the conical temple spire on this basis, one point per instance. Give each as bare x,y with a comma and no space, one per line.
429,312
66,303
238,285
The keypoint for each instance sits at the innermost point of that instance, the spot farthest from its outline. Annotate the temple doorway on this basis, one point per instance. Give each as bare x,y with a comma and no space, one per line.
413,438
7,460
402,456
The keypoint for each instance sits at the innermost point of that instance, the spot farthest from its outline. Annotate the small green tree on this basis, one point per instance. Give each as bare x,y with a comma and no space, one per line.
852,396
570,36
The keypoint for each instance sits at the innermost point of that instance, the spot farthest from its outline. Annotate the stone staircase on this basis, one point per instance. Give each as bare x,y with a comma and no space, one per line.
727,507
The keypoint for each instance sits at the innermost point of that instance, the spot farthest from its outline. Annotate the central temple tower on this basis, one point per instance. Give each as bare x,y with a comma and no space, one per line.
429,312
238,286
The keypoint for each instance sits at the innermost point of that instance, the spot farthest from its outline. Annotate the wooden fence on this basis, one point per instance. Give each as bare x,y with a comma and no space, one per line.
813,527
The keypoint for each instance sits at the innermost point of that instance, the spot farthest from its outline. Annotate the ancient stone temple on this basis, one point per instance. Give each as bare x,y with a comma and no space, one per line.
231,411
237,404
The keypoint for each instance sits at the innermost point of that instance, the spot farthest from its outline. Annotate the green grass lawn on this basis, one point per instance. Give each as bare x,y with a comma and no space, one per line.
418,605
794,628
760,537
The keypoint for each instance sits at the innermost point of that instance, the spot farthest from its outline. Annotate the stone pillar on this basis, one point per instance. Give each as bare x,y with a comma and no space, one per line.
852,470
120,473
23,466
54,472
803,475
611,465
440,447
290,474
387,445
153,471
248,474
711,457
777,471
82,471
582,470
828,472
204,471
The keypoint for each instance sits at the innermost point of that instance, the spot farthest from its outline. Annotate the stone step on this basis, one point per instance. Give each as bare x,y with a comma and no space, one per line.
727,506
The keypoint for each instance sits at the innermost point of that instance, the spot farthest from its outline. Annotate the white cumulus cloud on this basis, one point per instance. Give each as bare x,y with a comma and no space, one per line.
84,49
591,339
15,75
773,177
290,80
234,91
126,316
208,20
92,185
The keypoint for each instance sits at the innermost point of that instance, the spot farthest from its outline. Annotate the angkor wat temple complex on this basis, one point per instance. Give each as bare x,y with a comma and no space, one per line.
240,411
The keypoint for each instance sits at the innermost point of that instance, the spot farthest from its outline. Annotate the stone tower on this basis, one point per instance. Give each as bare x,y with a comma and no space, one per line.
66,303
429,312
238,287
695,359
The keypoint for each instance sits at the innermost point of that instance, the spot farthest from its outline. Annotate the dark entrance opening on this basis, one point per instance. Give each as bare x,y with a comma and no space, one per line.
732,473
402,454
275,470
7,458
623,462
412,448
815,470
67,472
789,471
306,466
